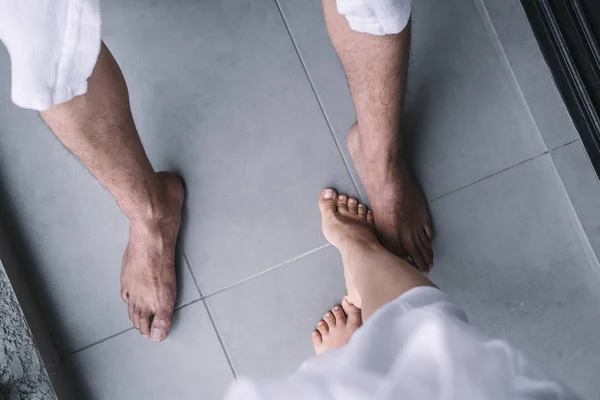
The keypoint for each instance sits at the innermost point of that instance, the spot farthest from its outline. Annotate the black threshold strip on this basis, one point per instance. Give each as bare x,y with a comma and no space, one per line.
568,32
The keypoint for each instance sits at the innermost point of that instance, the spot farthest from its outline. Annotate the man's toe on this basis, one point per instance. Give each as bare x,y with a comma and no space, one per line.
136,318
414,251
428,231
426,251
145,323
161,325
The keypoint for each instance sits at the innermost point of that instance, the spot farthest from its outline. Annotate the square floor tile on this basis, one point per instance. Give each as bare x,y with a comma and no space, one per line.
531,71
464,120
508,251
220,95
189,364
266,323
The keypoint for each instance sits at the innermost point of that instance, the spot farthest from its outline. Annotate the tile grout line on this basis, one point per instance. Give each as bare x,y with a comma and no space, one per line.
210,317
319,101
114,335
189,267
489,176
189,303
220,339
495,39
503,170
563,145
291,260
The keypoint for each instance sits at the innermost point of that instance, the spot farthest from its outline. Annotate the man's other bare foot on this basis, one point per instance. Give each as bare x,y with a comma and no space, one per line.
148,283
337,327
344,222
401,213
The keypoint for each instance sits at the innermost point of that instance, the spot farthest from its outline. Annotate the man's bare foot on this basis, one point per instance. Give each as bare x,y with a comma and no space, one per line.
344,222
401,212
337,327
148,283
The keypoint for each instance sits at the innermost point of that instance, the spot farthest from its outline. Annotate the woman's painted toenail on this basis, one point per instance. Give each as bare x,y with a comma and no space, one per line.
328,194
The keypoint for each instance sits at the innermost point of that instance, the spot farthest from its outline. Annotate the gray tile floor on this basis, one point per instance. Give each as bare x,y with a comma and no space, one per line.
247,101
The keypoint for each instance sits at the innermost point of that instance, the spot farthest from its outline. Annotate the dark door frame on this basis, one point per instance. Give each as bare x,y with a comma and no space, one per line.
568,32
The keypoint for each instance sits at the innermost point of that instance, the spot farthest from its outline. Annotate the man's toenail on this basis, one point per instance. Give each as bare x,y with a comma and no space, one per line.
328,194
336,308
328,315
157,335
353,201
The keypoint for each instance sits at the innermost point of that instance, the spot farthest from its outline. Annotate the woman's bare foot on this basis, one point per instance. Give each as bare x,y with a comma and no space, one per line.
337,327
401,212
344,222
148,283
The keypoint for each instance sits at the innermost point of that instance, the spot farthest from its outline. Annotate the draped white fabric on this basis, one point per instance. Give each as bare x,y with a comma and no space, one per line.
419,346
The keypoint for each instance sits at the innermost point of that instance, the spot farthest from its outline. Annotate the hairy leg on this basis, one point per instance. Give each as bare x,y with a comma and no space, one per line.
98,128
376,69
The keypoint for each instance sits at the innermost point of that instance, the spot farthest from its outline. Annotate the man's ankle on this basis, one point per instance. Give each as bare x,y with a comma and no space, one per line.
149,207
375,150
